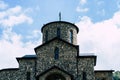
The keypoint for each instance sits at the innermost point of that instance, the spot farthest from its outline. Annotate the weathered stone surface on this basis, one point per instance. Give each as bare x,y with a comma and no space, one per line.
64,31
55,71
86,64
9,74
69,64
27,65
66,61
103,74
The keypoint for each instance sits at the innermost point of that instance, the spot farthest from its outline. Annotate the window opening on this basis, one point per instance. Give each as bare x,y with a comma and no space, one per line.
28,75
71,36
56,53
58,32
46,36
55,76
84,76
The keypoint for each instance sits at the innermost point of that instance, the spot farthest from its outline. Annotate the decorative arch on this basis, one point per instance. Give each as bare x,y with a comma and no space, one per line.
55,76
54,73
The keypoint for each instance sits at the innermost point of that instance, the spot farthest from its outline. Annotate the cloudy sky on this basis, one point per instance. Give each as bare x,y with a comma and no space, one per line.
97,20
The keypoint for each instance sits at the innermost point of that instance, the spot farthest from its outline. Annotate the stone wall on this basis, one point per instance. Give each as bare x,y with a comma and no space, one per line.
86,64
9,74
103,75
64,31
69,62
55,71
27,65
66,61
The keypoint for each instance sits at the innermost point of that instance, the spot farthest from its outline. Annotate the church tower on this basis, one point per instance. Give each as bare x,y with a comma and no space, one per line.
57,58
59,49
60,29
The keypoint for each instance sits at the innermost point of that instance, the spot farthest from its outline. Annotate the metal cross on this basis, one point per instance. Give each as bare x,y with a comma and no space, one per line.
59,16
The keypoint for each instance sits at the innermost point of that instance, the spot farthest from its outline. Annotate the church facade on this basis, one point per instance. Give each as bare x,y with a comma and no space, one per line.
57,58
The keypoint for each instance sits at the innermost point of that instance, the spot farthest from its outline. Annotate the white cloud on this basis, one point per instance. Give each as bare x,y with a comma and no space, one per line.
15,20
103,38
3,5
79,9
9,50
34,34
11,44
14,10
10,11
82,2
14,16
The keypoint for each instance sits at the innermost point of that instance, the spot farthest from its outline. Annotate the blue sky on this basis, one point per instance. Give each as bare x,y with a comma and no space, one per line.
97,20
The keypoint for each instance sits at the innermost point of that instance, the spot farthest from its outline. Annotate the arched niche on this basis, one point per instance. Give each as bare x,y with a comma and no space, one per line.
55,76
55,73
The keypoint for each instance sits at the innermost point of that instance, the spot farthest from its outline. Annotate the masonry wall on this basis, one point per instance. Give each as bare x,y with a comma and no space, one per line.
103,75
27,66
66,61
9,74
86,64
52,71
64,31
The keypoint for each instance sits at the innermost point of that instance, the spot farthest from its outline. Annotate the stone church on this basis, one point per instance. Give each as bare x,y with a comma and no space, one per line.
57,58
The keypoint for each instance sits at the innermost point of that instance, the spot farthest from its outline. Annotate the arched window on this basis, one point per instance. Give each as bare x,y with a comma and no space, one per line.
55,76
71,36
58,32
46,36
56,53
84,76
28,75
103,79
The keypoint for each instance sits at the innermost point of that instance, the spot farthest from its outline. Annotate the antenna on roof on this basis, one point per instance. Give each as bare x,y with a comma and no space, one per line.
59,16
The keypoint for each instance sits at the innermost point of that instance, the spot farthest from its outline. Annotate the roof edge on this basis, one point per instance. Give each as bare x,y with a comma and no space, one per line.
60,22
53,40
54,67
89,56
104,71
9,69
20,58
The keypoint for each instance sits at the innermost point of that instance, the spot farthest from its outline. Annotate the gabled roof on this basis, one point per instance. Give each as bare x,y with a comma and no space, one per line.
9,69
27,57
60,22
103,71
54,67
56,38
